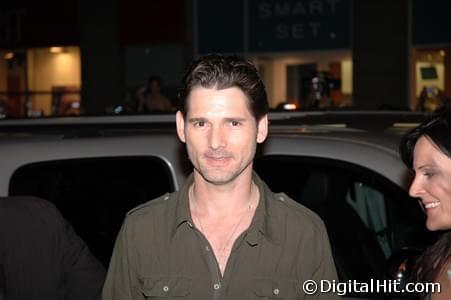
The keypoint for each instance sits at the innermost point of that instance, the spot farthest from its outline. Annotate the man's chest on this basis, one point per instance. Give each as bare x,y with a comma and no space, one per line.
189,268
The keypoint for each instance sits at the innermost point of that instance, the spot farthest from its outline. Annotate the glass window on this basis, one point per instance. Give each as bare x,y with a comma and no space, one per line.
368,218
95,194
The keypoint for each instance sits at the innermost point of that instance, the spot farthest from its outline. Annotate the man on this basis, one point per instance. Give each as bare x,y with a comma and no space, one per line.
41,256
224,235
150,98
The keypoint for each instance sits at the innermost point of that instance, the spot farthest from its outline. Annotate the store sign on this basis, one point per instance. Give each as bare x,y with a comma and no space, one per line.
288,25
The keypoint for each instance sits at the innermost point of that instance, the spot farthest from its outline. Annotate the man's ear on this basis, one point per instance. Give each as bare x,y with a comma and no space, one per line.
262,129
180,122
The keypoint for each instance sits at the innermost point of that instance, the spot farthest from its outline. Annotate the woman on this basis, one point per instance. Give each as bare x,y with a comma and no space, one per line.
427,151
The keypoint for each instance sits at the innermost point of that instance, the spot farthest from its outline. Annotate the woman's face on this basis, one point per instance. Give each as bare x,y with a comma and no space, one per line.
432,183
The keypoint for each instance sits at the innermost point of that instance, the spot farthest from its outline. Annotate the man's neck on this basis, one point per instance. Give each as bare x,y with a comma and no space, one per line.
218,201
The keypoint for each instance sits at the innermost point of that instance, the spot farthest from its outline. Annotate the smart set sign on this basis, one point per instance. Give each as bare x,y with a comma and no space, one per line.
298,25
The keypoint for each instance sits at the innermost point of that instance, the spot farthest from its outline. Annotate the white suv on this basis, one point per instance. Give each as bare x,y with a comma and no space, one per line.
344,166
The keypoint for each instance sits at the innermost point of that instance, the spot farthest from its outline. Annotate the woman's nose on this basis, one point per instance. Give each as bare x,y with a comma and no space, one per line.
416,188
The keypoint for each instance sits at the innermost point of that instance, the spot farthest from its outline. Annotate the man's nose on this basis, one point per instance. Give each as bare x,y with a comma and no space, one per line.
217,137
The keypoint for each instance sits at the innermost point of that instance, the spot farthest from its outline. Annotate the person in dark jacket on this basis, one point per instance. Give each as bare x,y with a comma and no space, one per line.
41,256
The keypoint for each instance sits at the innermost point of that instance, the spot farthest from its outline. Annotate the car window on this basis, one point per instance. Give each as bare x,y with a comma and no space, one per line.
95,194
368,218
369,204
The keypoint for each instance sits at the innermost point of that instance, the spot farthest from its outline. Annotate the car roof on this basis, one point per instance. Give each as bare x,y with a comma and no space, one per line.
364,120
380,128
346,136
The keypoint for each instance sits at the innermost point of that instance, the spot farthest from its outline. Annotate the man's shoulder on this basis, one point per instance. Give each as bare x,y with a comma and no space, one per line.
296,213
152,206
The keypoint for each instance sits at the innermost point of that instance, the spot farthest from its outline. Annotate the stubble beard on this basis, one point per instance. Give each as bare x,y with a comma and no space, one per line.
219,175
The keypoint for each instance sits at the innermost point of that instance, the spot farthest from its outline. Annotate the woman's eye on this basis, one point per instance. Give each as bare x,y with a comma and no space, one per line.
428,174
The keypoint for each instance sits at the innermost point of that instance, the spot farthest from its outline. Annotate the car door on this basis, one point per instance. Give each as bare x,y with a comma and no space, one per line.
369,219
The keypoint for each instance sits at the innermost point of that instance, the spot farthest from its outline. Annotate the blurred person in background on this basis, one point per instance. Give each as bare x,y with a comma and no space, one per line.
3,111
432,99
41,256
427,151
150,98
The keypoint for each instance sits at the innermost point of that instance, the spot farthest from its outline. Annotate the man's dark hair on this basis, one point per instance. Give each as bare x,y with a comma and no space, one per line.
222,72
154,78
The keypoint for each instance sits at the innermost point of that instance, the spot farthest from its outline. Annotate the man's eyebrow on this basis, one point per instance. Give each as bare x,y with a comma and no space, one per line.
239,119
194,120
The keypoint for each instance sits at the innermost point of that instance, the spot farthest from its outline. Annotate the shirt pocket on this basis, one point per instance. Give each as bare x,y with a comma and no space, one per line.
169,287
275,288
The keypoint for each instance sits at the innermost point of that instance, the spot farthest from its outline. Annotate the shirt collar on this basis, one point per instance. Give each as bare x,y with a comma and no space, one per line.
260,222
182,210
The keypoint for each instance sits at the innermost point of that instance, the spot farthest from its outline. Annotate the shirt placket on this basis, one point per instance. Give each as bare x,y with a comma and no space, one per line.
217,279
212,264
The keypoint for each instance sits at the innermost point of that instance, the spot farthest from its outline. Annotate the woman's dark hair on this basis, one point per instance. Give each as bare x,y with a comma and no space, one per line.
438,130
430,262
222,72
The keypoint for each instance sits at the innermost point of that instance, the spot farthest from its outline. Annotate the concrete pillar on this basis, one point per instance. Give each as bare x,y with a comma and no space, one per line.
101,55
380,53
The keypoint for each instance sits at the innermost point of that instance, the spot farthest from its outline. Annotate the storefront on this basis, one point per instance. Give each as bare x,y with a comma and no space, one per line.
63,58
39,58
292,42
430,54
41,81
305,50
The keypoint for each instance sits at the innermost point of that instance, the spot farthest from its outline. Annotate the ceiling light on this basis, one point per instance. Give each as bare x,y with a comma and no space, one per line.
9,55
56,50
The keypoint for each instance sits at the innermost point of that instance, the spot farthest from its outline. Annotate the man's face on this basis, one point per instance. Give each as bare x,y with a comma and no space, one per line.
154,86
220,133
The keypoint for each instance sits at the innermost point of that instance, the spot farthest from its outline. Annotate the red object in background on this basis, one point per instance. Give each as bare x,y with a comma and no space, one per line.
15,99
151,21
65,100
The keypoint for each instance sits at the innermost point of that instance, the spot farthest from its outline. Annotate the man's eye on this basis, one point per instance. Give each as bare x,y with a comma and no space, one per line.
235,123
199,124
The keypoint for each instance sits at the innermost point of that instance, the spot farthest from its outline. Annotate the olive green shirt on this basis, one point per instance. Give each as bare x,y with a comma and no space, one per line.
159,253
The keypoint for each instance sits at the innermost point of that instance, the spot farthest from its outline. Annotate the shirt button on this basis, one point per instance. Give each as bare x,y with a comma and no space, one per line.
165,288
216,286
166,198
281,198
276,292
207,248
